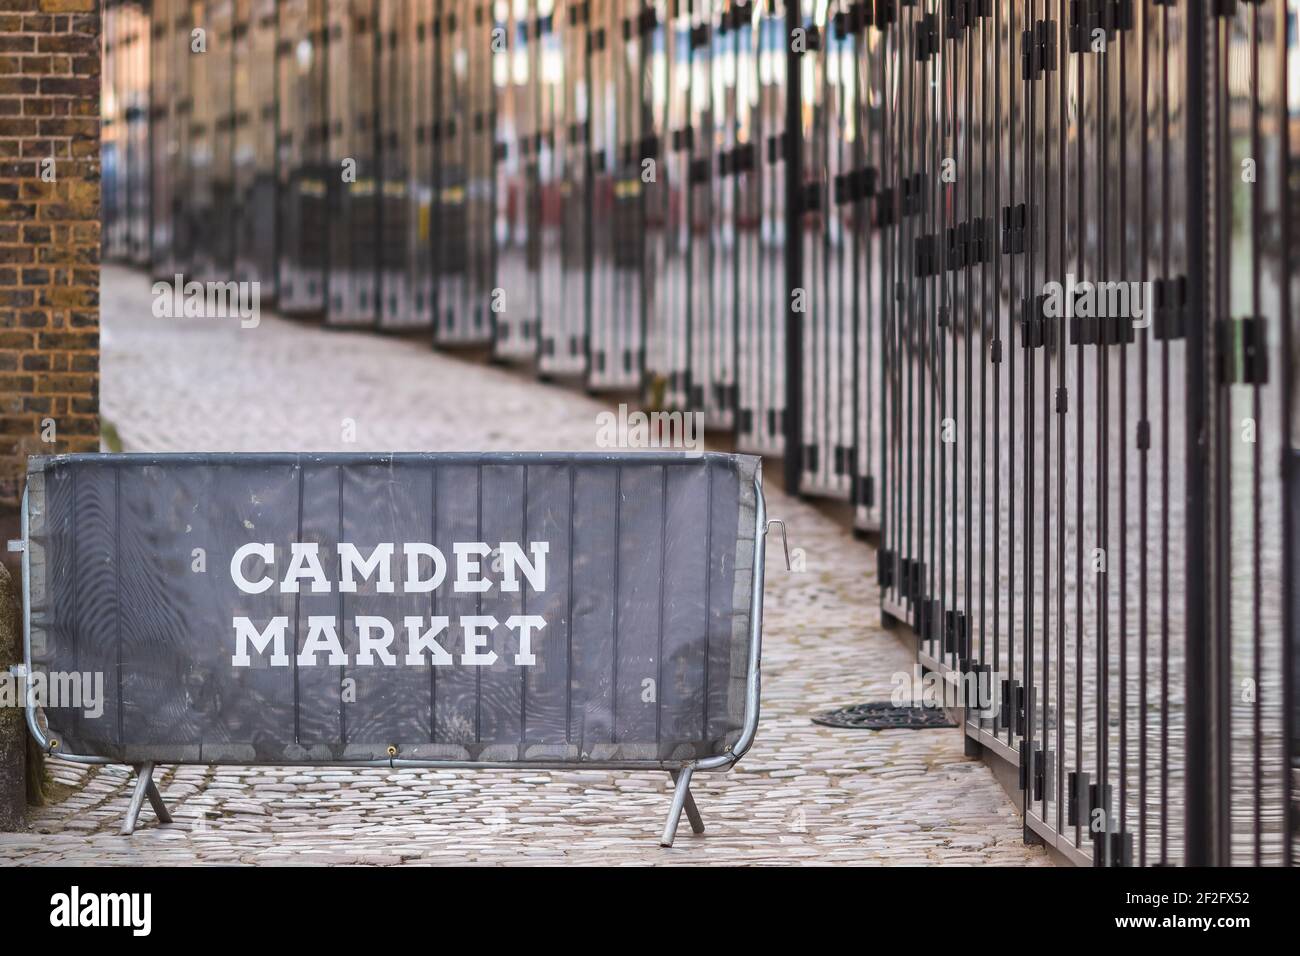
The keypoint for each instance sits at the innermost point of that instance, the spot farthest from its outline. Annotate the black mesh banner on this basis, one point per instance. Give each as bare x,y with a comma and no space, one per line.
280,608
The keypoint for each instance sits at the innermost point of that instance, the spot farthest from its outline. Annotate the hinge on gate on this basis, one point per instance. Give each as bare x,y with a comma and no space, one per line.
926,249
775,421
886,209
935,621
950,630
1024,765
1169,310
885,568
1014,222
968,244
995,351
745,421
855,185
1089,16
1100,329
1076,804
683,139
851,21
1008,702
778,147
811,198
1143,435
696,400
957,17
1243,351
1036,329
925,37
737,160
739,13
809,457
864,491
928,612
913,194
886,13
1035,764
1062,400
812,38
632,359
1038,50
905,578
725,395
1121,848
845,457
699,170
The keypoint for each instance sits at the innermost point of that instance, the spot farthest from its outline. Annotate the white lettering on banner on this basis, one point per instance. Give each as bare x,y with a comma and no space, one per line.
436,640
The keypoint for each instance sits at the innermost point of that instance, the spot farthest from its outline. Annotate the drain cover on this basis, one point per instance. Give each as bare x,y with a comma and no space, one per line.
883,716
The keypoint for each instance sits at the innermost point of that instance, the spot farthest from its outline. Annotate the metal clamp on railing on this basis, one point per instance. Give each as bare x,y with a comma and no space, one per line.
785,544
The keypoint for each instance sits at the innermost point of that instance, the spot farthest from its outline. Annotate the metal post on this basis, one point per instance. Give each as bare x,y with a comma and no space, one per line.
692,811
793,424
1199,606
681,795
144,787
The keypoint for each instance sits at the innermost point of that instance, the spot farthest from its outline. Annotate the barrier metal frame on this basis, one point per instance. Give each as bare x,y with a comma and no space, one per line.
681,771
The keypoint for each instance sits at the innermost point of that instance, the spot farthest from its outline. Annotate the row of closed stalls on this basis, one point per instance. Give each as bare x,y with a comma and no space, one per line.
580,185
1010,279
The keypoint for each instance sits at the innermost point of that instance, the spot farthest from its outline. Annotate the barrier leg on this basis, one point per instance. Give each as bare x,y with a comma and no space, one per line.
682,800
144,787
692,811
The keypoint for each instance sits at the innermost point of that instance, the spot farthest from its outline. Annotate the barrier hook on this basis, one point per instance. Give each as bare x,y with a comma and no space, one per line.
785,544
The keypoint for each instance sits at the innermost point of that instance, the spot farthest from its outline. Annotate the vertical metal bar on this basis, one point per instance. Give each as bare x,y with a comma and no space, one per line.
1144,424
793,257
1290,602
1198,835
433,603
1256,466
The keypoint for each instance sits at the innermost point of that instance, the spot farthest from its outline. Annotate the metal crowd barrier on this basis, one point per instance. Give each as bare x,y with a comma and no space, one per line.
860,247
407,610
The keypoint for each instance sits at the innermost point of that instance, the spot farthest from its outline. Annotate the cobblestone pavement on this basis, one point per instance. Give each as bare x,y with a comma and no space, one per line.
804,794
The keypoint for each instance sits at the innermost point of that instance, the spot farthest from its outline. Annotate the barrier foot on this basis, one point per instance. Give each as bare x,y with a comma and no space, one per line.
144,787
682,800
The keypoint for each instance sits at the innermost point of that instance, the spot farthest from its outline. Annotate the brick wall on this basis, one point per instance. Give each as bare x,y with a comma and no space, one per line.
49,234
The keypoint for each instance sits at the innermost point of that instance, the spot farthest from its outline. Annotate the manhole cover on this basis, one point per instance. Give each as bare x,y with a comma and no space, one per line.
881,716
